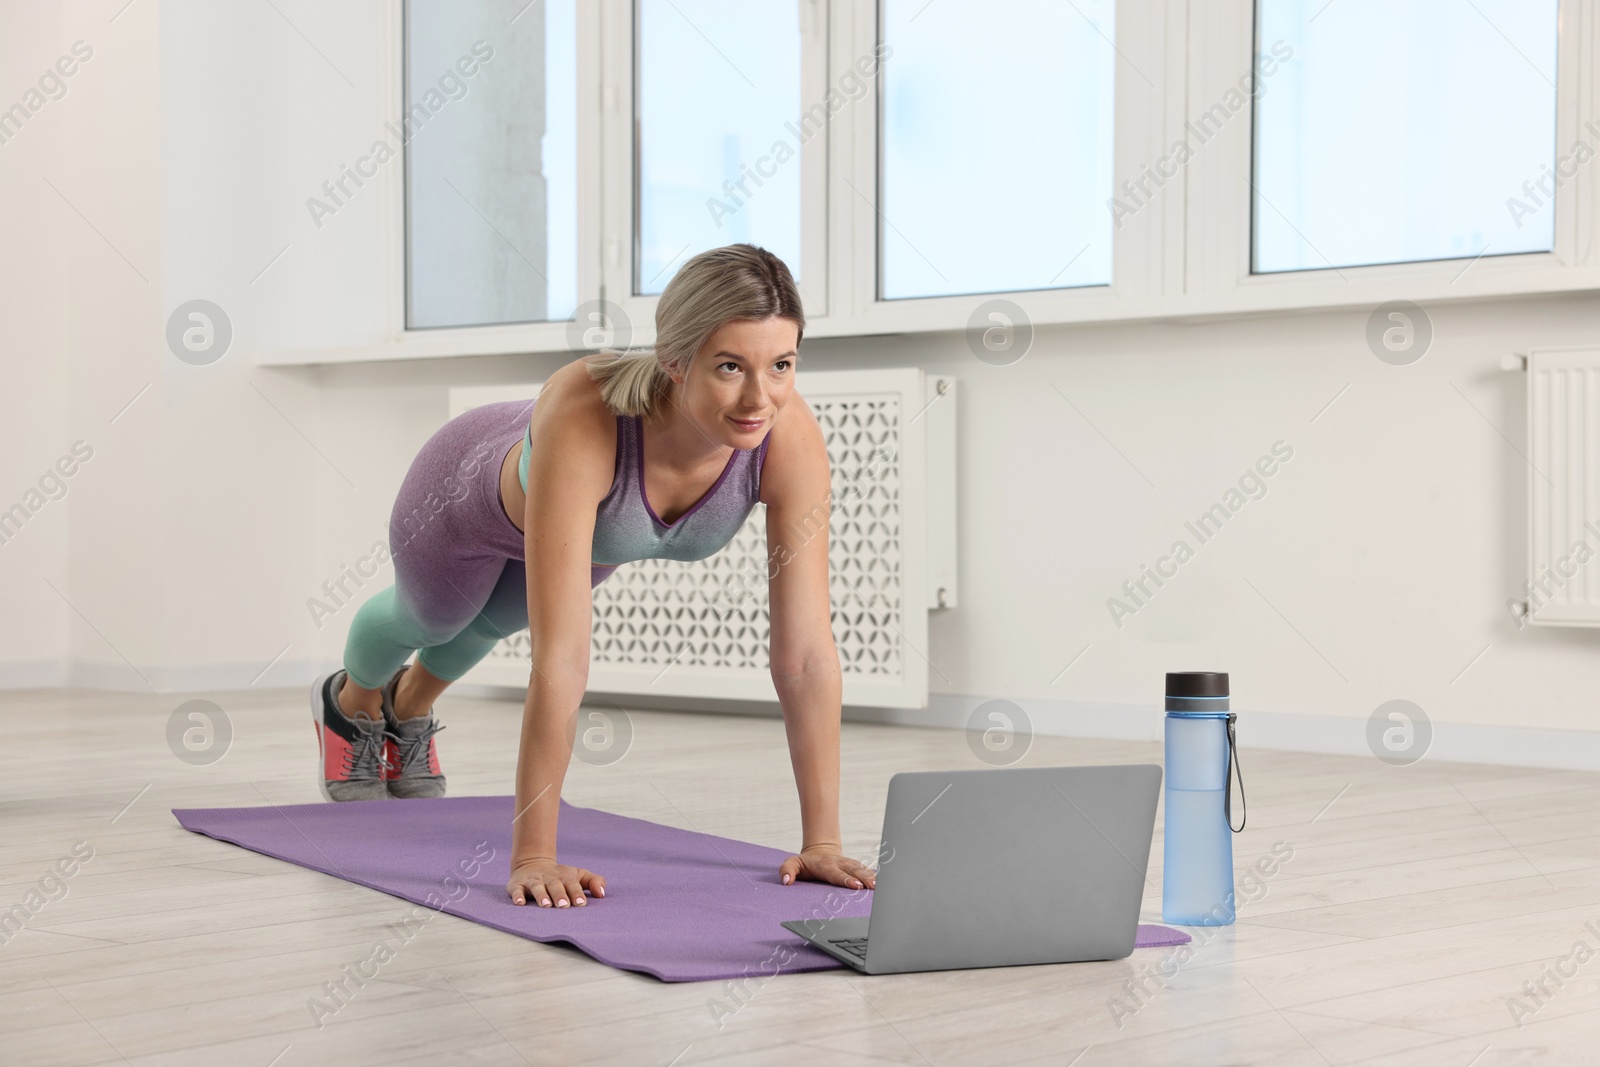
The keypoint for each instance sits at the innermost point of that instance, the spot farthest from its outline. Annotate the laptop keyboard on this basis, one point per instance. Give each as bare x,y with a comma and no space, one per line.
856,946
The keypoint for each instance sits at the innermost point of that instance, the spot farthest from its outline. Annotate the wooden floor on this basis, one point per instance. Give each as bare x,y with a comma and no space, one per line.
1419,910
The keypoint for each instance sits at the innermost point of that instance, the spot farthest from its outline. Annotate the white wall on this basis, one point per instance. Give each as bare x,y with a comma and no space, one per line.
33,354
1376,567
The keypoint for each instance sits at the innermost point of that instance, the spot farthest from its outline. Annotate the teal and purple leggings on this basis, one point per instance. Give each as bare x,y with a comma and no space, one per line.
460,583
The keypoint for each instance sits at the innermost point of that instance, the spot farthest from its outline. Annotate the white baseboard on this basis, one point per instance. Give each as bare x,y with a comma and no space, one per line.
33,674
44,674
1511,746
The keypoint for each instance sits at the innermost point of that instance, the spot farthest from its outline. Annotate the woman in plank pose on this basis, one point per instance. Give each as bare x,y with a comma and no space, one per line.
513,512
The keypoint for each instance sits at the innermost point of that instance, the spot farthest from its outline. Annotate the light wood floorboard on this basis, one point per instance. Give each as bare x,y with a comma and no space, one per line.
1417,904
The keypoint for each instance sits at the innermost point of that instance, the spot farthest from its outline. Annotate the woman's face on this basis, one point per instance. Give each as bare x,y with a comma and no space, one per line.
740,379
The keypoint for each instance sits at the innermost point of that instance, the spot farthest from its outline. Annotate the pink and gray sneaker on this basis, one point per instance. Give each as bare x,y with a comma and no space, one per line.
410,753
351,747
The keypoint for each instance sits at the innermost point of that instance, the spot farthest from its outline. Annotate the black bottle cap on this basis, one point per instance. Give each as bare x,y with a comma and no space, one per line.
1197,684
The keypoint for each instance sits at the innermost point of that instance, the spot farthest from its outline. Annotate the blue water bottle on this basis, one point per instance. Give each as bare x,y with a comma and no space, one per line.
1197,849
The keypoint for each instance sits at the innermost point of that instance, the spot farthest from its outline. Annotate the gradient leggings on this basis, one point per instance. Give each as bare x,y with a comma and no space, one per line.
460,583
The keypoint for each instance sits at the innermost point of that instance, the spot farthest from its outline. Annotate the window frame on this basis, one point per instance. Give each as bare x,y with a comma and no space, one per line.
1144,250
428,342
1220,254
1185,255
619,226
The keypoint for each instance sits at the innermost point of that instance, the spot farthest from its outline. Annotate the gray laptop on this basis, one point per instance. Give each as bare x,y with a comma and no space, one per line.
995,868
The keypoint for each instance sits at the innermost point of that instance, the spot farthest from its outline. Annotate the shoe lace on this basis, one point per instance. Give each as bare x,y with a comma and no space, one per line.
412,748
364,760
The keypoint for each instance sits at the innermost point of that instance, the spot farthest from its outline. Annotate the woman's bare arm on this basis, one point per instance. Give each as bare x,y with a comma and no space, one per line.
569,472
796,486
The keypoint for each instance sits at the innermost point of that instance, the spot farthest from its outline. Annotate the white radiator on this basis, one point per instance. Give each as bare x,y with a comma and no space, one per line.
1563,587
669,628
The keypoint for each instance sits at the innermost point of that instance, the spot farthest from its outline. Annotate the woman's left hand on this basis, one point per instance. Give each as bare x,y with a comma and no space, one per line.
825,864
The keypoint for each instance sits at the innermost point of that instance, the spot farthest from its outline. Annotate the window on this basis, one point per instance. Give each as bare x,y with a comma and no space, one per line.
995,146
717,107
915,162
490,134
1396,132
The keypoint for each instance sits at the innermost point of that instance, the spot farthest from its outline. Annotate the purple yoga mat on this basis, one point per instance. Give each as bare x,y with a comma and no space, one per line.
679,905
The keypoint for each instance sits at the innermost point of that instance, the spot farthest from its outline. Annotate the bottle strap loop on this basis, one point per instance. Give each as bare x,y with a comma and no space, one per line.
1233,768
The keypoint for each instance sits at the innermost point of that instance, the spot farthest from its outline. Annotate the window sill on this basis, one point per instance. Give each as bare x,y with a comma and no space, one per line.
1256,295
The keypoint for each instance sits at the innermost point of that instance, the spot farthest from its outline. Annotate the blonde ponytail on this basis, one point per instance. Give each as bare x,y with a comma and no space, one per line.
632,382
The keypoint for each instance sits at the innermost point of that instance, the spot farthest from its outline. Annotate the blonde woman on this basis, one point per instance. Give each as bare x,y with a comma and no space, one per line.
513,512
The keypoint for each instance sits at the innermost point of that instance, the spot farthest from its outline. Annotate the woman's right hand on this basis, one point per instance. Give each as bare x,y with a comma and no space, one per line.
552,884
